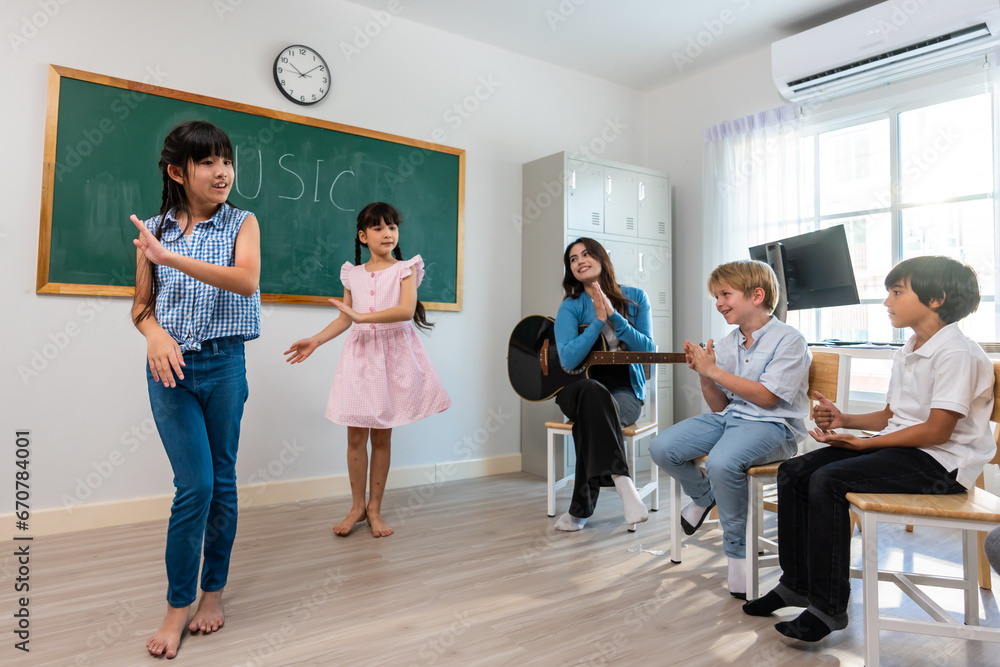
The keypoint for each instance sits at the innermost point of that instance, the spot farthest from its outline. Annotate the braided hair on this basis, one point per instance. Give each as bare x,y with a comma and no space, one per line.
373,215
186,143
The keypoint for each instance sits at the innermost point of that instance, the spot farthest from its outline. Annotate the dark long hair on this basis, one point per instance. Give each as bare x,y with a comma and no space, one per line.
188,142
373,215
572,288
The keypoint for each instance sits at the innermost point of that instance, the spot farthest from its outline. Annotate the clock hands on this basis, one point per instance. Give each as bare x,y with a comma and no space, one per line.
306,73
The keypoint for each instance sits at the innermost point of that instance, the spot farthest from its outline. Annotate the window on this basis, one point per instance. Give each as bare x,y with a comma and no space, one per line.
907,182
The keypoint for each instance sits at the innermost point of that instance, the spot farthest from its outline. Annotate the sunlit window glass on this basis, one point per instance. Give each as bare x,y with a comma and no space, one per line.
945,151
854,168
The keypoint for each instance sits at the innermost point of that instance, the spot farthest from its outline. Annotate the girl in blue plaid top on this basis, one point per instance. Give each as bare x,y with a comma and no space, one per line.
196,302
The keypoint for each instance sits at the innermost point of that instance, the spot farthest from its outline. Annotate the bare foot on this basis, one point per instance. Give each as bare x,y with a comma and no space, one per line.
379,527
353,517
209,616
167,639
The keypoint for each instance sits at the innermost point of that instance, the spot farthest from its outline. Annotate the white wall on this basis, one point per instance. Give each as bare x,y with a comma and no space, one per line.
85,404
677,116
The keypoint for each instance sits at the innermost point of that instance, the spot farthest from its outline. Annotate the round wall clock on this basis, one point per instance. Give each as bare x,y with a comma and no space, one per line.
301,74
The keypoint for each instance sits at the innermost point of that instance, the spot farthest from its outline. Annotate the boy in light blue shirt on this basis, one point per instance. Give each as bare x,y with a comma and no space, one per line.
755,383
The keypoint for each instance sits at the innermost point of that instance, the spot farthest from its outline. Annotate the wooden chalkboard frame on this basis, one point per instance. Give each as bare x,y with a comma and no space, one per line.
56,73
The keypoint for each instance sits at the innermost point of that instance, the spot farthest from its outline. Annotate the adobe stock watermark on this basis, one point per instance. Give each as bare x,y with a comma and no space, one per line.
364,35
900,15
259,481
272,641
562,13
916,165
467,448
223,7
552,191
273,471
84,144
258,143
757,157
31,24
460,111
104,468
434,648
701,41
116,631
634,621
44,354
324,249
770,655
457,114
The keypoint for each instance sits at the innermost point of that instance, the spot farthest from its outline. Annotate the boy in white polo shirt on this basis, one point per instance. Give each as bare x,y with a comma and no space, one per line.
933,437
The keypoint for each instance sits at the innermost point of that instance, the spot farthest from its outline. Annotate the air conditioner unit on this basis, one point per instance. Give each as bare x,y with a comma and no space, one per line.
883,43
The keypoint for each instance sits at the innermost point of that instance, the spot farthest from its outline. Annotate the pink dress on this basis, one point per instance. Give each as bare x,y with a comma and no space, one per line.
385,378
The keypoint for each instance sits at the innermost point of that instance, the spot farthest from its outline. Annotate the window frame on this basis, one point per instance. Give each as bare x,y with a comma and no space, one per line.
890,110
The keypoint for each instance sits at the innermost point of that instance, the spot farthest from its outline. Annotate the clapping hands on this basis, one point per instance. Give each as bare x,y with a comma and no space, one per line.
602,305
700,359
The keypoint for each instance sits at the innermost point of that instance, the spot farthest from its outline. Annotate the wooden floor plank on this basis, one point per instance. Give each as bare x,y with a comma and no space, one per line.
475,575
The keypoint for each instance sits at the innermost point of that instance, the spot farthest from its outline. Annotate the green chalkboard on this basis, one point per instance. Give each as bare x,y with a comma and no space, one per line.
303,178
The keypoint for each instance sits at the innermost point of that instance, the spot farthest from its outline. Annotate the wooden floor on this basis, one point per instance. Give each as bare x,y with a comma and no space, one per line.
475,575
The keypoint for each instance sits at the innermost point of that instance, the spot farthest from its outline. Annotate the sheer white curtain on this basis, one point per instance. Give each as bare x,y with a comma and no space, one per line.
758,185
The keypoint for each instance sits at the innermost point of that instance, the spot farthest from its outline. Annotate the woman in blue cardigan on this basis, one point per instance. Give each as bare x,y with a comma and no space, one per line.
595,304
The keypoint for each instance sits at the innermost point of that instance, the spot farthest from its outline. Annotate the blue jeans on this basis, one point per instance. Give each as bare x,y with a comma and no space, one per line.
732,444
199,424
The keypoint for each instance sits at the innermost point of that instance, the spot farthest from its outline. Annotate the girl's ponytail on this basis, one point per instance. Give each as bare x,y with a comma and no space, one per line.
419,314
144,267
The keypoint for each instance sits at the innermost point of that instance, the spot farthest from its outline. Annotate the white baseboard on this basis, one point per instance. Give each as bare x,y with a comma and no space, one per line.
88,516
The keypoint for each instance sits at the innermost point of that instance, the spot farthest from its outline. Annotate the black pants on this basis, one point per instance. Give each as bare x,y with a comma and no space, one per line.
814,540
598,414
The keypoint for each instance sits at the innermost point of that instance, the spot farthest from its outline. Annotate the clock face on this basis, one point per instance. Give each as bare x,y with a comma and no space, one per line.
301,74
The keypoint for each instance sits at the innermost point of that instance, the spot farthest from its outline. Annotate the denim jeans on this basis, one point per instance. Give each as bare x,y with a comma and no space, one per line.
199,424
732,444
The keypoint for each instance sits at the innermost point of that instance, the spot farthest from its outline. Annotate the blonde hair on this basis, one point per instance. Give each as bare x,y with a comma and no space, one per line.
745,276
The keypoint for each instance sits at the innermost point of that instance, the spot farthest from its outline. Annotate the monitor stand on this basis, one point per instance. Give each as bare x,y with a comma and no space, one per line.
774,258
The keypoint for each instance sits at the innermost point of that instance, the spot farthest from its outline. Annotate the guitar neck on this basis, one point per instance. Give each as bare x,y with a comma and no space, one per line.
601,358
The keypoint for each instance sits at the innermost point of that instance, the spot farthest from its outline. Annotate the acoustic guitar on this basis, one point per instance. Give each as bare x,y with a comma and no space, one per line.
533,362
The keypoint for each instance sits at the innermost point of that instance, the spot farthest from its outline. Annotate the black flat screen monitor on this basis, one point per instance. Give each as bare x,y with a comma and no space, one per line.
816,266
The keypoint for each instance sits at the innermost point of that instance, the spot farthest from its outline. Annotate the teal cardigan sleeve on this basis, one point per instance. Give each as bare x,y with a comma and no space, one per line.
573,344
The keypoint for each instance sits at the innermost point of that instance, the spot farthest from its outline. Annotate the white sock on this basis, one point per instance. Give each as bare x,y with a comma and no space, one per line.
738,575
692,513
570,523
635,509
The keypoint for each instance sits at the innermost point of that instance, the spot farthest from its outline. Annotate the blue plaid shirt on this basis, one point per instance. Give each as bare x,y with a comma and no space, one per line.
190,310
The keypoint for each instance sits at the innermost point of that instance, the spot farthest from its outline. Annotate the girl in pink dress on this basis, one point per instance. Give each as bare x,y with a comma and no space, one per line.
384,378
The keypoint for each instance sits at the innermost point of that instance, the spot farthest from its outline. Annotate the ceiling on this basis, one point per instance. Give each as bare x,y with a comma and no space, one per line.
641,44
